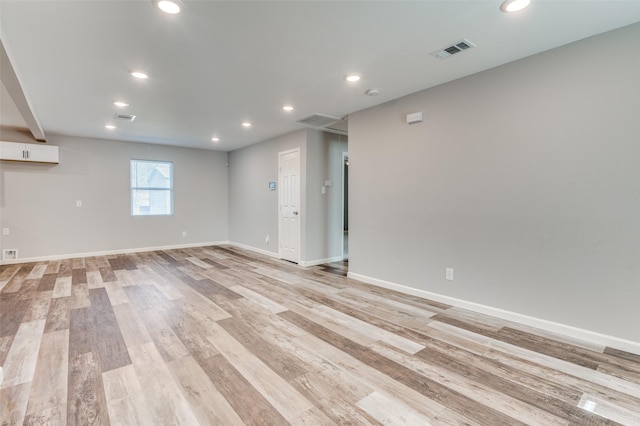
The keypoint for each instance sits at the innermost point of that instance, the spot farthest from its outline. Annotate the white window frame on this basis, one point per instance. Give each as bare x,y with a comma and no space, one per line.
133,187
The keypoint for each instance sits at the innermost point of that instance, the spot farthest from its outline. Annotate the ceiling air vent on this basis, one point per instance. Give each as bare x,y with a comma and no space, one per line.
452,50
339,127
318,121
127,117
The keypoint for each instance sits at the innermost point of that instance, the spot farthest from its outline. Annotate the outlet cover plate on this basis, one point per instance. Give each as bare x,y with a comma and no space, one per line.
9,254
448,274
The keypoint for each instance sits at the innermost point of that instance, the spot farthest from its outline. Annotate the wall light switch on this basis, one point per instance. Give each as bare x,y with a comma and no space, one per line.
184,233
323,190
448,274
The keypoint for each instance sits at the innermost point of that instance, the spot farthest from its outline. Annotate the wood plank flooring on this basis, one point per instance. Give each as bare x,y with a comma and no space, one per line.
222,336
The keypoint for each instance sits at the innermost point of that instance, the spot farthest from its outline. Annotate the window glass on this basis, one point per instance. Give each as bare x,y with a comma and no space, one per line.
151,188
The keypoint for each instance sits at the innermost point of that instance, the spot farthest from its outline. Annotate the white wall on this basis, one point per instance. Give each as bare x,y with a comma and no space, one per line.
253,208
38,202
525,179
324,211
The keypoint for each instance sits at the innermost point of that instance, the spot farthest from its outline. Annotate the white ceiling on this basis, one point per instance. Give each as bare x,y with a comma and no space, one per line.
222,62
9,114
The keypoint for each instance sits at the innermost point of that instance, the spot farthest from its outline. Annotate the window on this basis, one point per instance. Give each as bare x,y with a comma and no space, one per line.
151,188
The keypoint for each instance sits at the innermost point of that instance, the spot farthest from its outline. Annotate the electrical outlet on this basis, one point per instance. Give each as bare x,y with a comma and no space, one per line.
448,274
184,233
9,254
78,203
266,239
5,231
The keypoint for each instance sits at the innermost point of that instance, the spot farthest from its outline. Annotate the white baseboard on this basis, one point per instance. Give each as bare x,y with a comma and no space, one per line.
254,249
303,263
170,247
554,327
109,252
307,263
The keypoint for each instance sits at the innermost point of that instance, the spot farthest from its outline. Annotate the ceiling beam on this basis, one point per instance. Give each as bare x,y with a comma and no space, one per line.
12,84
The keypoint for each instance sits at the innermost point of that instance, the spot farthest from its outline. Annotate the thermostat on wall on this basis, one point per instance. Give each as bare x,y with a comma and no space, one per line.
272,186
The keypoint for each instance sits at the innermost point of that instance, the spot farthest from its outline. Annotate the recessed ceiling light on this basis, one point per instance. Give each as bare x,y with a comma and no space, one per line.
109,126
169,6
287,108
510,6
139,74
215,139
246,124
121,104
352,78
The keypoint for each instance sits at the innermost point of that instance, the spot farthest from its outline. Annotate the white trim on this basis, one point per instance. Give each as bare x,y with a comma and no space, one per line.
171,247
109,252
554,327
345,158
307,263
303,263
254,249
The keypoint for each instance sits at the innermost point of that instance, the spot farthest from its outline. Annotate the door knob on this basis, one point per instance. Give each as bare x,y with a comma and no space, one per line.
295,212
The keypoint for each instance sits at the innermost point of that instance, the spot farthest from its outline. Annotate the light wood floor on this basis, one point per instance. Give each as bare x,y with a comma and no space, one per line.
219,336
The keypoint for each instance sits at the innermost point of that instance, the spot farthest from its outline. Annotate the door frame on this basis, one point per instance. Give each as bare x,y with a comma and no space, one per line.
299,221
345,159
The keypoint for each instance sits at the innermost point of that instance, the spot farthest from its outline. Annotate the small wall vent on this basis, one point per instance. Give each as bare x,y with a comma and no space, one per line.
126,117
453,49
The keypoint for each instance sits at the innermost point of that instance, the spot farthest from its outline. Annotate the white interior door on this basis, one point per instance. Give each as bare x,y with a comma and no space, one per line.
289,204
